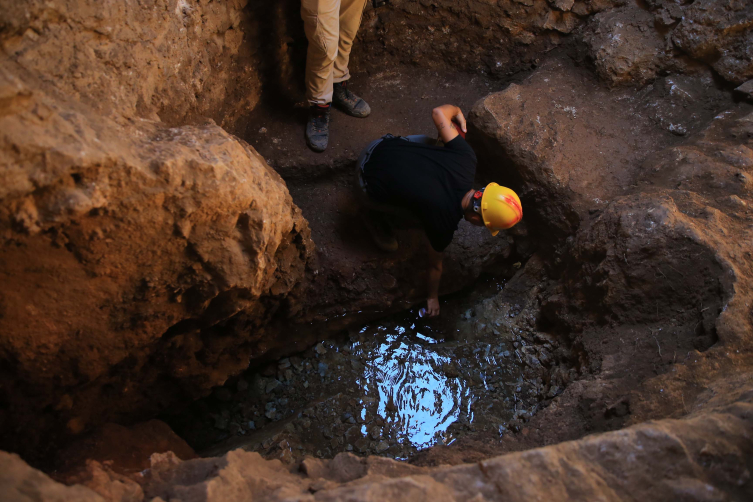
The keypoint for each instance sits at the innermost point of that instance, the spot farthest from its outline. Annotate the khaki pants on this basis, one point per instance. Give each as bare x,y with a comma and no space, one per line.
331,26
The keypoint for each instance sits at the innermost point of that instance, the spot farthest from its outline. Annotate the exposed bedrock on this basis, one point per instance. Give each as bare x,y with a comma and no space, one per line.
649,195
574,145
122,243
159,59
629,43
703,457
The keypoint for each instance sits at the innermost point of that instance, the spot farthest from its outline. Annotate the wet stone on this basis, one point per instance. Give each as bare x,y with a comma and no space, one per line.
272,385
362,445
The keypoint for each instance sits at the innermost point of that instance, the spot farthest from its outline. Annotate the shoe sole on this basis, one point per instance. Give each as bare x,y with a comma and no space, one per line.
316,148
347,111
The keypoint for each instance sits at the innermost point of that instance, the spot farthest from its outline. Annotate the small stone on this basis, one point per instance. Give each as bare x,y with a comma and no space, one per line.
345,416
349,447
737,201
305,385
220,422
323,369
375,432
746,88
320,349
362,445
284,363
272,385
263,130
450,370
251,425
271,413
381,446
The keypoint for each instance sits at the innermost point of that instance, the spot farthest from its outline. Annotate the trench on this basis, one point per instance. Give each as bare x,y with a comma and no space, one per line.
388,382
545,337
392,384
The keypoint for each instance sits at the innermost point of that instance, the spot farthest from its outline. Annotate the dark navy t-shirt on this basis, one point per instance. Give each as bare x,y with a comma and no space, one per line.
430,181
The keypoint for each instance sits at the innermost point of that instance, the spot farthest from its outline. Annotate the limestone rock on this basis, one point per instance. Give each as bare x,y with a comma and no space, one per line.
21,483
123,242
709,455
746,88
625,47
161,59
541,126
720,34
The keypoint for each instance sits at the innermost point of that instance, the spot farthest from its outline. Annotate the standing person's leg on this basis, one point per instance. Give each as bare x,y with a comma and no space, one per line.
351,12
321,22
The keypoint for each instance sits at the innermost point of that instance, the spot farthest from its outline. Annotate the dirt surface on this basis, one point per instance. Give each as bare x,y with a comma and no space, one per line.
401,100
354,280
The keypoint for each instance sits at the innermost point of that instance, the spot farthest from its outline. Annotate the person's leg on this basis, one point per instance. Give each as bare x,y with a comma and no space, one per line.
351,12
321,22
350,19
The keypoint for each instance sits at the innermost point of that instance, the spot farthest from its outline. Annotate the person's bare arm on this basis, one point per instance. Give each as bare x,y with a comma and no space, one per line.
443,117
432,283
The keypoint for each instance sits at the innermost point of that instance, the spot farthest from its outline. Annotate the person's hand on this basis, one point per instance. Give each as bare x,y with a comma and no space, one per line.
432,307
460,119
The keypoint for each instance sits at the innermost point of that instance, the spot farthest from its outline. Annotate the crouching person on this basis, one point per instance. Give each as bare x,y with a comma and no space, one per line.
431,181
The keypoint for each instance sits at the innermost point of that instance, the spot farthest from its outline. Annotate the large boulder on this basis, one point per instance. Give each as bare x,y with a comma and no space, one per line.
625,47
570,146
117,238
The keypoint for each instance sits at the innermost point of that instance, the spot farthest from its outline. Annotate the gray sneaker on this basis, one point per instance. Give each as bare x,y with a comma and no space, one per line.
317,128
348,102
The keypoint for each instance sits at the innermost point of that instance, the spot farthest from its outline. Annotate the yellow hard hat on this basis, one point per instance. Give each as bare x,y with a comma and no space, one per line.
498,206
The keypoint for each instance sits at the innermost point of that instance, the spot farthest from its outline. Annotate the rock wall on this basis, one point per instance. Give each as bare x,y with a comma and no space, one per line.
124,241
649,195
629,43
160,59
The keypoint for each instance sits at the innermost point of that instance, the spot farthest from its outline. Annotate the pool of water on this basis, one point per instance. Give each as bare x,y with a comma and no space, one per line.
390,387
